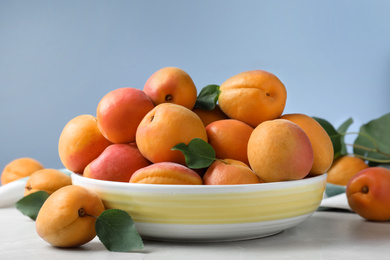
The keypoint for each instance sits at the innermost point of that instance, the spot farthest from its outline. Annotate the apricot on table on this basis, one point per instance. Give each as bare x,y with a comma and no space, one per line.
166,173
80,143
253,97
229,172
344,168
48,180
279,150
368,193
120,111
164,127
116,163
19,168
67,218
319,139
229,138
171,85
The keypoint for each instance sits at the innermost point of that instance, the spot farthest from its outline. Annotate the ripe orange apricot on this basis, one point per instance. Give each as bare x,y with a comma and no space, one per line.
67,218
81,142
171,85
48,180
253,97
164,127
229,172
368,193
19,168
120,111
116,163
166,173
344,168
229,138
279,150
209,116
319,139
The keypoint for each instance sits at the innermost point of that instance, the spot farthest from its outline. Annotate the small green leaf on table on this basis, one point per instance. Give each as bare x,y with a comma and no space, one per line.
208,97
116,230
32,203
198,153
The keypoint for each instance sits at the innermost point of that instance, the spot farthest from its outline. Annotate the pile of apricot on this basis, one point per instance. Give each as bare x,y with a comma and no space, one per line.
130,139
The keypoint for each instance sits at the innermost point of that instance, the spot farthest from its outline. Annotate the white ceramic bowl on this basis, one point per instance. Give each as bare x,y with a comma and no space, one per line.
211,212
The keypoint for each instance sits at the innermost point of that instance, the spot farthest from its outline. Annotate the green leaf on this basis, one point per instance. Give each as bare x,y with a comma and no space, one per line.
208,97
32,203
116,230
198,153
344,126
335,137
373,141
333,189
342,130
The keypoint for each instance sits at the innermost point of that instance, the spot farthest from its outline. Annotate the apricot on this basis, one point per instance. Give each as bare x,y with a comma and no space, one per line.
116,163
48,180
80,143
229,138
19,168
164,127
209,116
344,168
231,172
319,139
120,111
368,193
166,173
253,97
67,218
279,150
171,85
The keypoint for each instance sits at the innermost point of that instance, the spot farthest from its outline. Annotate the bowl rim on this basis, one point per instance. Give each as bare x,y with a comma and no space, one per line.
141,187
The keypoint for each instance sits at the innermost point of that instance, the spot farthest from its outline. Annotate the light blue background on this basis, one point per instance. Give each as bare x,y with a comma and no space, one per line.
59,58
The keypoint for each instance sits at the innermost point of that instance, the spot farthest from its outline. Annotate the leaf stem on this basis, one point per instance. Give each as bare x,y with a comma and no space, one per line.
374,150
369,149
372,159
365,135
363,148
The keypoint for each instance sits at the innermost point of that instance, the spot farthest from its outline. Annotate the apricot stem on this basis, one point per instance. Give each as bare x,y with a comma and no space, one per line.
82,213
168,98
365,189
221,160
